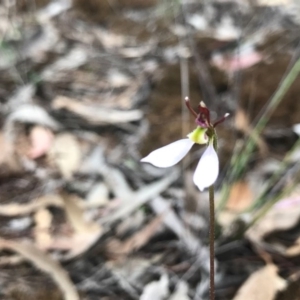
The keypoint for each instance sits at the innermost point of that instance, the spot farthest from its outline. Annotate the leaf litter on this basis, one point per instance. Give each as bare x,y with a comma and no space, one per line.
86,89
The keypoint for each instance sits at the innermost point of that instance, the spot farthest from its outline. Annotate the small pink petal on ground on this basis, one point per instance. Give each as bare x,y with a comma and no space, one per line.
41,140
288,202
237,62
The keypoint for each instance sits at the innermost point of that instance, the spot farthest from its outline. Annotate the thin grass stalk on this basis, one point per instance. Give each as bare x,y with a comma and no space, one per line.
238,164
263,211
272,181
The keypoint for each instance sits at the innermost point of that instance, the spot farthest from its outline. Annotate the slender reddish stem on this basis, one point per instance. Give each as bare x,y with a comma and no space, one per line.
220,120
211,243
188,105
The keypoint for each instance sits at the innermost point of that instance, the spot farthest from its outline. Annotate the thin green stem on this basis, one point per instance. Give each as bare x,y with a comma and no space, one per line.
212,242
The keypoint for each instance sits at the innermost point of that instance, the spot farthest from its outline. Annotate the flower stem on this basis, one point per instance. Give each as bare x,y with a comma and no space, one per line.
212,242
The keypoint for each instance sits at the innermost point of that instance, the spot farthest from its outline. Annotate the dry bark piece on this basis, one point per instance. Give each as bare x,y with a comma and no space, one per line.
46,264
263,284
95,114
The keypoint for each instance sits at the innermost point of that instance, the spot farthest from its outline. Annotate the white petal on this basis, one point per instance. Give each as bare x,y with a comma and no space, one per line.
169,155
207,170
297,129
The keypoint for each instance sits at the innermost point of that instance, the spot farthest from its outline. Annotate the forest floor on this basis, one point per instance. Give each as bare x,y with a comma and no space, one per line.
88,88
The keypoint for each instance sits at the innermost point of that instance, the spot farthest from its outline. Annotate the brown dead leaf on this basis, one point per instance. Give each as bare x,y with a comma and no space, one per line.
240,196
75,244
242,123
261,285
7,154
273,2
139,239
66,154
11,260
85,234
23,209
293,250
76,216
95,114
46,264
43,219
41,140
282,216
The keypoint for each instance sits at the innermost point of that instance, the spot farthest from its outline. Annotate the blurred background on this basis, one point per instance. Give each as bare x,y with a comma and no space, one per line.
88,88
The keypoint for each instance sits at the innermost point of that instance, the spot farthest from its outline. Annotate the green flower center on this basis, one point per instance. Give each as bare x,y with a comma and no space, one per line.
199,135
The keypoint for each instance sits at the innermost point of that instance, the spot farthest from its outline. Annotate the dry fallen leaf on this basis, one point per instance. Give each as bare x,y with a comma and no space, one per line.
95,114
293,250
66,154
273,2
240,196
261,285
85,234
282,216
242,123
76,216
46,264
75,244
43,219
7,154
16,209
139,239
11,260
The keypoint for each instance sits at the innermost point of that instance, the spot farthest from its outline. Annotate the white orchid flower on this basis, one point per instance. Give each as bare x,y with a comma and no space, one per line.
208,167
207,170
